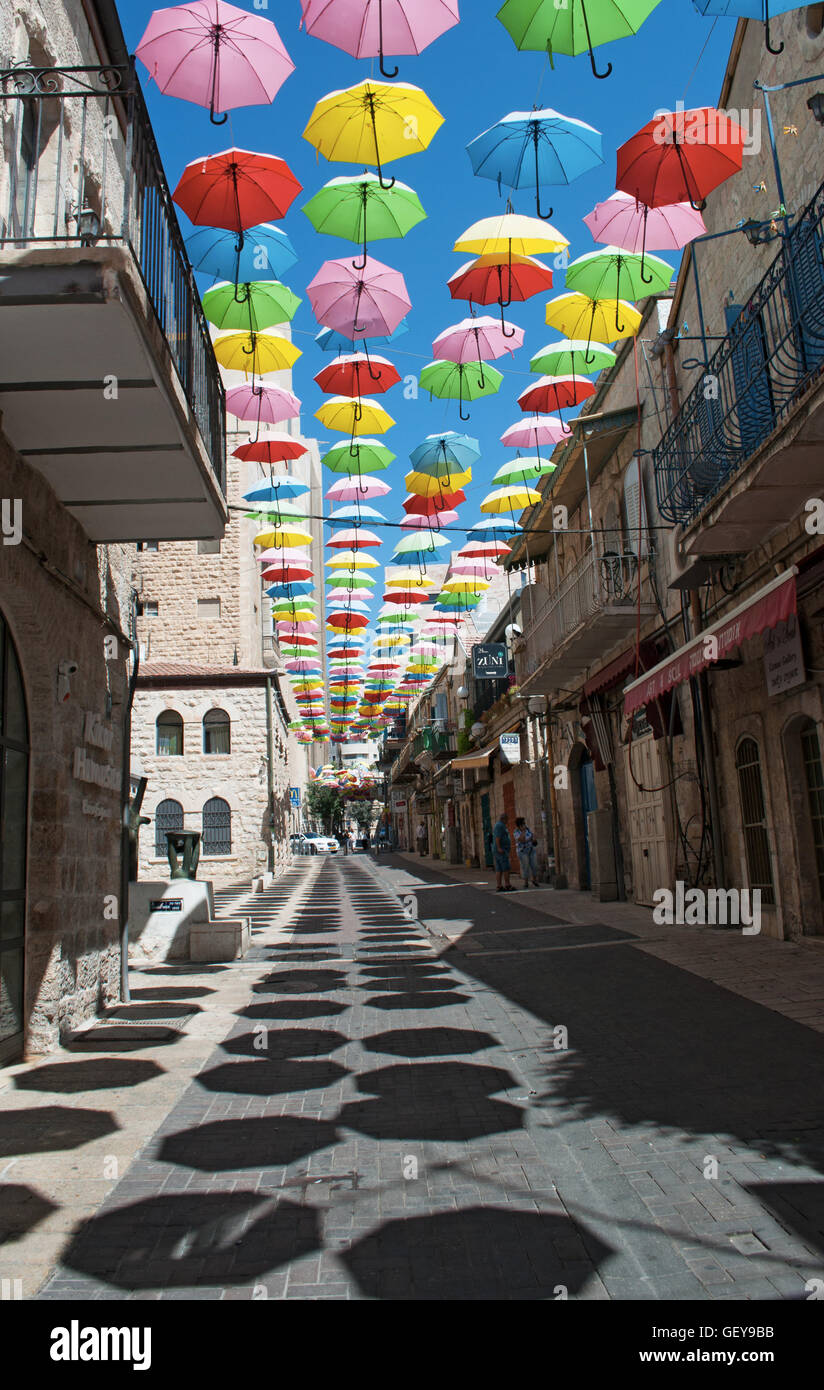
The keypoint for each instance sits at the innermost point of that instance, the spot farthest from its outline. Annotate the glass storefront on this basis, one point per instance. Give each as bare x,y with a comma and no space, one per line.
14,771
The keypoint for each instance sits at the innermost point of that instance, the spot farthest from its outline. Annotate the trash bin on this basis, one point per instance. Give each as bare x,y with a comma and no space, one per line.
183,849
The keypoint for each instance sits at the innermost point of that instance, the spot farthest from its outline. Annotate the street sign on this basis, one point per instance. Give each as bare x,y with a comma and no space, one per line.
511,747
490,661
294,797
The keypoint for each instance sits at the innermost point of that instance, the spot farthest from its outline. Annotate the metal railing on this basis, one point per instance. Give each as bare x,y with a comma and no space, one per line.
594,583
430,740
773,350
81,168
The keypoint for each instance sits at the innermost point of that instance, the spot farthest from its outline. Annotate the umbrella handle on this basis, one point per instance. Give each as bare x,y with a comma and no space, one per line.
647,280
544,216
238,251
770,49
221,120
505,303
373,376
384,73
595,71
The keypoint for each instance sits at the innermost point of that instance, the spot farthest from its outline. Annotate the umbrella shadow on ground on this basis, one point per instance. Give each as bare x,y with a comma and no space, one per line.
265,1078
179,1241
294,1009
69,1077
797,1206
429,1042
51,1128
21,1209
301,982
265,1142
447,1101
479,1253
286,1042
171,992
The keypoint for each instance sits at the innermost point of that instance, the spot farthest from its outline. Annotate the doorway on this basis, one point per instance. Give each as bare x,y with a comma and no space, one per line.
589,802
647,815
14,777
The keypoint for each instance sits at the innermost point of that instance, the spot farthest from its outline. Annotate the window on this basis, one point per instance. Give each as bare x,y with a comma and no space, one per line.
148,545
217,728
217,827
168,816
208,547
635,510
208,609
754,819
24,176
169,734
814,777
150,608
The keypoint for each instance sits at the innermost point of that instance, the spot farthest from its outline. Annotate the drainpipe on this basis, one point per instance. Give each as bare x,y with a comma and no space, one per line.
125,779
270,776
709,755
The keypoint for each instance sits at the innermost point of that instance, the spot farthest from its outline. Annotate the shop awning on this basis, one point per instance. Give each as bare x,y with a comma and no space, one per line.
622,665
470,760
770,605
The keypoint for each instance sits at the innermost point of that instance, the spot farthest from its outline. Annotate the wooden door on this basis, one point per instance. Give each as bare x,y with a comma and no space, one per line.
648,813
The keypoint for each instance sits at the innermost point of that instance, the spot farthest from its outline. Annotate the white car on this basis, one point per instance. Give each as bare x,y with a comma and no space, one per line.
319,844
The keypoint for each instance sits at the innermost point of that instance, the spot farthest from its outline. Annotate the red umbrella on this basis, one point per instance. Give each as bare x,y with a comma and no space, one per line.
356,374
285,574
554,393
276,447
492,280
433,506
402,597
680,157
236,189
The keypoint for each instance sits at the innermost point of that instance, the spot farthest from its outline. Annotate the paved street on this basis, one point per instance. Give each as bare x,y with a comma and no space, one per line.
487,1102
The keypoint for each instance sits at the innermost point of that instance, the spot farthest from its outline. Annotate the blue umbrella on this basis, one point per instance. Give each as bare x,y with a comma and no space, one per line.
300,586
448,447
277,488
498,528
750,9
332,341
528,148
266,253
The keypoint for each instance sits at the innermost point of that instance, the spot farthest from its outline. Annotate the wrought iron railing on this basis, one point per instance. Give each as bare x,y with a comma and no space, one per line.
773,349
593,584
82,168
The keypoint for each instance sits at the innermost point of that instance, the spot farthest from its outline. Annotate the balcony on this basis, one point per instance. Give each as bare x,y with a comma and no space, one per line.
595,606
431,740
108,382
743,454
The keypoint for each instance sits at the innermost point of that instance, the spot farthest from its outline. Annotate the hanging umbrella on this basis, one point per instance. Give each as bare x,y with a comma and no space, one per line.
330,340
407,578
345,579
578,316
572,357
765,10
266,405
356,539
373,28
441,518
555,393
215,55
285,537
256,354
276,512
612,272
455,381
510,234
680,156
420,543
363,301
510,499
275,489
481,548
261,304
498,279
354,416
236,189
347,491
523,470
275,447
623,221
363,456
428,484
458,585
416,506
354,373
528,148
531,434
373,123
477,340
359,208
260,253
357,514
477,568
576,26
352,559
448,447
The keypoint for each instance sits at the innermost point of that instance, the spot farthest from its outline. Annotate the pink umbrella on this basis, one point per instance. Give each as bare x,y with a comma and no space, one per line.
371,28
477,340
440,518
476,569
215,55
362,303
348,491
298,628
268,405
623,221
356,539
530,434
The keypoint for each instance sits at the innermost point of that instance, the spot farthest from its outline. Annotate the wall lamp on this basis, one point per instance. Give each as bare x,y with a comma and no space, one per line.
88,224
757,233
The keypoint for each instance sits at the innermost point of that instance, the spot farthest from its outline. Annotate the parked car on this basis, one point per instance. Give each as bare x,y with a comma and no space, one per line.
319,844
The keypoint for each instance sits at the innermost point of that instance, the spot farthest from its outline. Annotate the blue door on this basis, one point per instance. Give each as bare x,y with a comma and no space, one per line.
589,802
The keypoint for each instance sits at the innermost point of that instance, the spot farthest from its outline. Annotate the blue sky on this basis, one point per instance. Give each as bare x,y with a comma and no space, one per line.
474,75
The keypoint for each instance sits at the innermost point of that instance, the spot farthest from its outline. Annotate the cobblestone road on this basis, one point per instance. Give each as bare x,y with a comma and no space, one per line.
537,1111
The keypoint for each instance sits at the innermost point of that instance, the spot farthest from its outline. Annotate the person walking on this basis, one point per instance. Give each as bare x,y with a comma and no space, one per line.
420,836
501,844
526,847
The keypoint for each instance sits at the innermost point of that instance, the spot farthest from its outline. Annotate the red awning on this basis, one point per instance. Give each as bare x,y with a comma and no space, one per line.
770,605
621,666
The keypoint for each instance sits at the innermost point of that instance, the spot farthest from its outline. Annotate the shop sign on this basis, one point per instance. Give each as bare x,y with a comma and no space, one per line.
490,661
783,657
511,747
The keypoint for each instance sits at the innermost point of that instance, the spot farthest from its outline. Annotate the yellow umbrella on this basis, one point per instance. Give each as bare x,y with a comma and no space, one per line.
373,122
402,579
465,586
352,416
255,353
510,499
578,316
510,234
353,559
283,537
424,485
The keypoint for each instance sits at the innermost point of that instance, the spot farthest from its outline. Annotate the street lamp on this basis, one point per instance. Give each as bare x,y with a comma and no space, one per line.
88,224
757,233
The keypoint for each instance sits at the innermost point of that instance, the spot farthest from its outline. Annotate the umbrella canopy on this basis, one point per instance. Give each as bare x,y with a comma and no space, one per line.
578,316
276,488
680,156
355,373
330,340
437,506
623,221
373,123
354,416
407,578
255,353
435,485
285,537
446,448
749,9
236,189
267,405
358,208
483,549
364,456
500,279
545,430
530,148
357,539
555,393
440,518
261,304
477,340
613,272
344,579
260,253
359,299
352,559
215,55
358,514
275,447
456,381
458,585
347,491
523,470
572,357
575,27
372,28
510,234
510,499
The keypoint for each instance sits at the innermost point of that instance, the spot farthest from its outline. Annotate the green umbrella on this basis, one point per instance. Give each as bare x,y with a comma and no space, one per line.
572,357
577,26
342,579
275,512
362,456
264,303
460,381
359,208
616,274
523,470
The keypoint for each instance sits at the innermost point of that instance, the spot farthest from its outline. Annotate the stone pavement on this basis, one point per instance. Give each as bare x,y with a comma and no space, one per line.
489,1102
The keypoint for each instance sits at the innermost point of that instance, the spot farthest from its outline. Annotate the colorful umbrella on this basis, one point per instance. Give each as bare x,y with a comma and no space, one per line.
434,484
612,272
286,537
578,316
355,373
500,280
356,539
256,354
574,26
416,506
362,301
623,221
528,148
373,28
275,447
330,340
750,9
215,55
354,416
357,514
555,393
260,304
351,559
347,491
260,253
510,234
477,340
282,486
266,405
455,381
510,499
680,156
359,208
572,357
531,434
236,189
441,518
373,123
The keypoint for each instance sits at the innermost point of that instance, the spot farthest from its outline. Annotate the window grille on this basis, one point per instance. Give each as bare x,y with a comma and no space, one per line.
217,827
168,816
754,819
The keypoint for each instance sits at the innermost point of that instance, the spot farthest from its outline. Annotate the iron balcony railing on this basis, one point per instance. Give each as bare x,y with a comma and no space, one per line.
593,584
430,740
773,349
82,168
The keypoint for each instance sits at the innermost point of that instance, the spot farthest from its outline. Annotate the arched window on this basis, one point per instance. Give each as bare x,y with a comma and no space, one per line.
754,819
168,816
170,734
217,827
217,727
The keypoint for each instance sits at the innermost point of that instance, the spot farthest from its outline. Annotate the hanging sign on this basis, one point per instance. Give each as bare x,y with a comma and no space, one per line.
511,747
490,661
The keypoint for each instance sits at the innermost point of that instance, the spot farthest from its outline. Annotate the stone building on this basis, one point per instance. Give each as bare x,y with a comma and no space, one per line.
112,408
674,623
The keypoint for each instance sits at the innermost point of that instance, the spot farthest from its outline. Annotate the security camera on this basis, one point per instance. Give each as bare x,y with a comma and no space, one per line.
65,670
